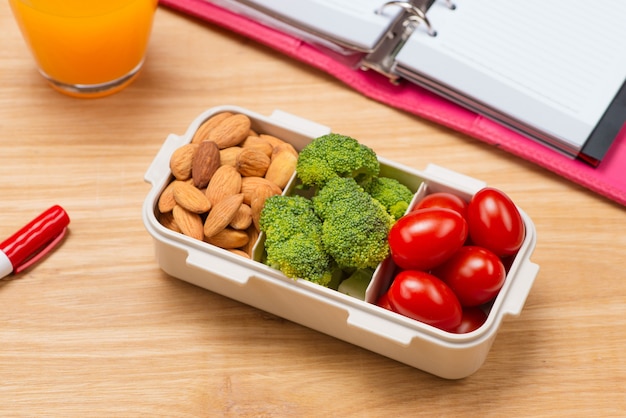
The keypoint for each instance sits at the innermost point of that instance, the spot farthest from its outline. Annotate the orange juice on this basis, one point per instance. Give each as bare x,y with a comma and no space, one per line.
86,47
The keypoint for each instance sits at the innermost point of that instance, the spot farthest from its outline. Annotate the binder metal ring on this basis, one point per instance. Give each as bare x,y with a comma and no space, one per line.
417,15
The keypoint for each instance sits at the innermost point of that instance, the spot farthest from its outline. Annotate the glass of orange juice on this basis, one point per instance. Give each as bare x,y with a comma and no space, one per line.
86,48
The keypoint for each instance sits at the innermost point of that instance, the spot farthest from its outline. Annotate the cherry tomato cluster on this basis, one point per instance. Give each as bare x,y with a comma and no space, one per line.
451,257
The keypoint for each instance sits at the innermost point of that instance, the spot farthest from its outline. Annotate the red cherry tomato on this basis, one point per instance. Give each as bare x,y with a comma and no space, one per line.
443,200
422,239
423,297
471,320
475,274
508,262
383,302
494,222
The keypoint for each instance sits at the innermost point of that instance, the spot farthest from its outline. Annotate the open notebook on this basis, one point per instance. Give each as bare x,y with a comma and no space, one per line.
553,71
573,105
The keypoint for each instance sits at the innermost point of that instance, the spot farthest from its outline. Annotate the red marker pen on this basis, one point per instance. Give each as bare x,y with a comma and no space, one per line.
33,241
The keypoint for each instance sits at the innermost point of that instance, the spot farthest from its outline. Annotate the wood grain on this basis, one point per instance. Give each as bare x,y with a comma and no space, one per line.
98,330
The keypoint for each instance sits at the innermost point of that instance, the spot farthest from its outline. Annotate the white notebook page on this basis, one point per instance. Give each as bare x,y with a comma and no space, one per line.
352,22
552,64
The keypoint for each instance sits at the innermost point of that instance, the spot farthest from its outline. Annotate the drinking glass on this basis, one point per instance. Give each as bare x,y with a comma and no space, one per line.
86,48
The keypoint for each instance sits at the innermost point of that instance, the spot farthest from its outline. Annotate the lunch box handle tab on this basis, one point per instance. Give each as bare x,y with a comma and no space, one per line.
376,324
520,288
228,269
160,166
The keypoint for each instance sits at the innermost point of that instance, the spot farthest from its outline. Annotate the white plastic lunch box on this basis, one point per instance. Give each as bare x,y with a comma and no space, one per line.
448,355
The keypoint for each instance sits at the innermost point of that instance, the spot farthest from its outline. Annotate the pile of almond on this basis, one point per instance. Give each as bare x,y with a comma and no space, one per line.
221,180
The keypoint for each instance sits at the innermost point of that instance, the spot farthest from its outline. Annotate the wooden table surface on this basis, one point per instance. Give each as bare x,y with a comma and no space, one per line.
97,329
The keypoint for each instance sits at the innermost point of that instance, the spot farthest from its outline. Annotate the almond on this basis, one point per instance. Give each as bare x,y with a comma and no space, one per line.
189,223
275,141
250,184
252,163
166,200
231,131
202,134
205,162
228,238
243,218
238,252
286,146
191,198
228,156
259,196
258,143
222,214
253,235
180,161
167,220
282,166
225,182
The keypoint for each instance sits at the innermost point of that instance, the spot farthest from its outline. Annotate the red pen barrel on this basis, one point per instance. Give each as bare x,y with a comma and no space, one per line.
36,238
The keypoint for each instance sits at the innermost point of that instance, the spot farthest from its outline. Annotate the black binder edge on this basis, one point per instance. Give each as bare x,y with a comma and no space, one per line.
607,129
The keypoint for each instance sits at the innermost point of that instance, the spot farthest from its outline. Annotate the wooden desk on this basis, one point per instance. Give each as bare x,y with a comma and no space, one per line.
98,329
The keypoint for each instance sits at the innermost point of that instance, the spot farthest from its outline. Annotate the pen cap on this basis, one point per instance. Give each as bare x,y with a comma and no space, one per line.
36,238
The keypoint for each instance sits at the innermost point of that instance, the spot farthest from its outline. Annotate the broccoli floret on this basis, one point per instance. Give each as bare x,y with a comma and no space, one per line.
355,225
393,195
335,155
293,241
342,230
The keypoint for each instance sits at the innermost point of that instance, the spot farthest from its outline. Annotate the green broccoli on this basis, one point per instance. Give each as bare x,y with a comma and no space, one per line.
335,155
339,227
293,242
355,225
393,195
